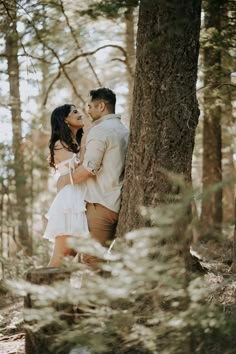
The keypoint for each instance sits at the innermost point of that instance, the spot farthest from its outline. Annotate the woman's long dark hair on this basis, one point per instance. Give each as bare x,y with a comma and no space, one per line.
61,131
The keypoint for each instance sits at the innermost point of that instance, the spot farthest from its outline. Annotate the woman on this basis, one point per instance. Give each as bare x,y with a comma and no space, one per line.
66,216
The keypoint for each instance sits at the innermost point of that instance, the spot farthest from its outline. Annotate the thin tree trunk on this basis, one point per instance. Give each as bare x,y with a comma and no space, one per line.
44,69
44,133
211,214
130,50
165,108
2,223
227,127
15,103
233,267
227,156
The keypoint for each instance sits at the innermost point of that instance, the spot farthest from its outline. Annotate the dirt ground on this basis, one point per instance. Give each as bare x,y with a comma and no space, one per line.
11,325
12,345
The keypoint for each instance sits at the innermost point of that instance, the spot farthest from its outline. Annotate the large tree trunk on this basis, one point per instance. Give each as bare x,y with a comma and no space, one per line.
211,215
165,108
15,103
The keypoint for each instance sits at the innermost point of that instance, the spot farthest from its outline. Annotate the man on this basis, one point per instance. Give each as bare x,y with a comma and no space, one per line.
102,167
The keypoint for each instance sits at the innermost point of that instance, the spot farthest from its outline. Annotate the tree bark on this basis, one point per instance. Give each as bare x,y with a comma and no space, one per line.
165,109
130,49
227,155
233,266
211,214
227,118
15,103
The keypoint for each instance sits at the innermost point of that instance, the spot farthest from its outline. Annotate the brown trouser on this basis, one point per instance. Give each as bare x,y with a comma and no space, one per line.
102,224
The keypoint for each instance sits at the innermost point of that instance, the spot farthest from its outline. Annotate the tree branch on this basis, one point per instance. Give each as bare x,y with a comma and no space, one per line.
118,59
100,48
77,42
50,86
61,65
34,57
126,63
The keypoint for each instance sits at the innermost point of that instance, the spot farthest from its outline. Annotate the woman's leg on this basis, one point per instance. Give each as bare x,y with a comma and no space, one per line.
60,250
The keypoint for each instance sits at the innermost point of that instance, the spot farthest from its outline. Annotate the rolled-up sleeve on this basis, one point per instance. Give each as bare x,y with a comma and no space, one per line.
94,152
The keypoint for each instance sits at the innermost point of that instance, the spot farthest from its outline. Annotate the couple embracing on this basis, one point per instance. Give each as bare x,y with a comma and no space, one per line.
91,168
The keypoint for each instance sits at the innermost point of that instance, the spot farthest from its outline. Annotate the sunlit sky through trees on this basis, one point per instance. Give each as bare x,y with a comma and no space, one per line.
31,76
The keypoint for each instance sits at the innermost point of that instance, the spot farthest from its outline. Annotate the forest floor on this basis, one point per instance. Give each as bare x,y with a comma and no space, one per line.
11,325
212,259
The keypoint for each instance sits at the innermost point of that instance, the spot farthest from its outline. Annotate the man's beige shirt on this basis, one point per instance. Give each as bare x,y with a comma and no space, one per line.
105,152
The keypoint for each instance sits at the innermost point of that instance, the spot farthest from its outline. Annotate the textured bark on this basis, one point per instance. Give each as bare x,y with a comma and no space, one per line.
211,215
15,103
227,155
165,108
233,267
2,187
227,119
130,50
41,136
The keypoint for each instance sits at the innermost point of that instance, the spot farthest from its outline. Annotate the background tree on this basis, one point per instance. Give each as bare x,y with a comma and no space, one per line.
228,119
211,213
12,45
217,110
130,50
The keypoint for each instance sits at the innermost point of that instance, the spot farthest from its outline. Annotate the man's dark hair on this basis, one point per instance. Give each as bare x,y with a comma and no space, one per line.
106,95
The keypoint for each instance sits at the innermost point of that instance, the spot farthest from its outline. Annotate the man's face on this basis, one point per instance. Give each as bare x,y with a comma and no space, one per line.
95,109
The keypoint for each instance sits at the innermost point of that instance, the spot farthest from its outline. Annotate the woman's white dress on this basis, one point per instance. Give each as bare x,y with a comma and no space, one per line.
66,216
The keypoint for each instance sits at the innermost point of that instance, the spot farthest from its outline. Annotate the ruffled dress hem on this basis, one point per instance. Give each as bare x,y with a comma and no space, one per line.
66,215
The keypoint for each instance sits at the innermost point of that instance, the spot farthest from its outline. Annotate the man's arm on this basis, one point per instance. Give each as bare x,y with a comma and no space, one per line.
80,175
95,148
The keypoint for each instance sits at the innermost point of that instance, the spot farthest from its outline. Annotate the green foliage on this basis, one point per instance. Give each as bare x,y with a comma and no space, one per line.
143,301
222,13
109,8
